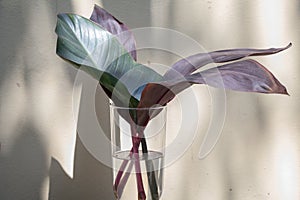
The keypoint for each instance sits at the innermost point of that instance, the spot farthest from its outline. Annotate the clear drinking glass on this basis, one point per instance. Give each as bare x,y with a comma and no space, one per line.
138,142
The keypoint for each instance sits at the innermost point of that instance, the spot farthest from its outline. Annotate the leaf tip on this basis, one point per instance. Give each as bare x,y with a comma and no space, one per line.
286,92
283,91
287,46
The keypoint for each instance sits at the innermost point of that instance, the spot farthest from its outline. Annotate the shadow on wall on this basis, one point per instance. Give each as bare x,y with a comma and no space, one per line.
91,181
24,169
12,19
141,17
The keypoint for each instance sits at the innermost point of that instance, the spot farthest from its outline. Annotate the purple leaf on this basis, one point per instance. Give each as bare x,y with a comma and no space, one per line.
246,75
163,94
114,26
190,64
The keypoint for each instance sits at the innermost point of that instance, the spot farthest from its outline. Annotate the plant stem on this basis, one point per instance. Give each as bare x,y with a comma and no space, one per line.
150,172
136,139
124,180
152,182
121,182
118,189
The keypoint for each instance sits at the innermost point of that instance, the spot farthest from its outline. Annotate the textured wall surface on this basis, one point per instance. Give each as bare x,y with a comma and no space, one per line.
257,156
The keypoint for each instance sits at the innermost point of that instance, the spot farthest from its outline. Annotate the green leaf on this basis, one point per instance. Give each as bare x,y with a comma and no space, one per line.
99,53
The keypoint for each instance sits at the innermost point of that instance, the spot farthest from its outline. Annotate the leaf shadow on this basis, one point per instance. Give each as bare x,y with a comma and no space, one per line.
92,180
24,169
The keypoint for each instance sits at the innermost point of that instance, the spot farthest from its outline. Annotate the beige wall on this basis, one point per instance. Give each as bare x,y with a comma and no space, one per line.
257,156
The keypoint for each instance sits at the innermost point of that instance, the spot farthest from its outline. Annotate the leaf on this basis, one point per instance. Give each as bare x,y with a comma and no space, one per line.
116,27
190,64
246,76
178,77
95,50
162,92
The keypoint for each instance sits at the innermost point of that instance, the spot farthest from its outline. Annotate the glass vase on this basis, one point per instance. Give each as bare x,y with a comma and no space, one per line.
138,141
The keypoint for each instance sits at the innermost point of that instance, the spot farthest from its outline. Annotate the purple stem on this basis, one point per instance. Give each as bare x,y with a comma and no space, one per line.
136,139
119,185
123,182
119,176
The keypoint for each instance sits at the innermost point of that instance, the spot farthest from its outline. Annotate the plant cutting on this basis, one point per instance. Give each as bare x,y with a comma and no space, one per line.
104,48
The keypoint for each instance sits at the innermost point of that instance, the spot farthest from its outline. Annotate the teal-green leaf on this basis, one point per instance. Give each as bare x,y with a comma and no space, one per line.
96,51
